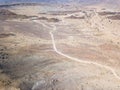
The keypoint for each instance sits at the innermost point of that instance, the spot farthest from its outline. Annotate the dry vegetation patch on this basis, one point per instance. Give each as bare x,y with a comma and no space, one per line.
49,19
4,35
76,17
114,17
106,13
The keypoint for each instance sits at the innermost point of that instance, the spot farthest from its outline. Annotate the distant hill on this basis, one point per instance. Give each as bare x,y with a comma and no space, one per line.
84,2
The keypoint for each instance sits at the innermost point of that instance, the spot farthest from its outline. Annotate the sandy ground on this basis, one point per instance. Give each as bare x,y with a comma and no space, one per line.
28,60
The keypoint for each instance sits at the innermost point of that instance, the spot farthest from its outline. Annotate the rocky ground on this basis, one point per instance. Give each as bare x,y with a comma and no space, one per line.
28,60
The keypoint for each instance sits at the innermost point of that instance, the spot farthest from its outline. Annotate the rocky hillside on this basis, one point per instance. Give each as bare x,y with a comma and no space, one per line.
6,14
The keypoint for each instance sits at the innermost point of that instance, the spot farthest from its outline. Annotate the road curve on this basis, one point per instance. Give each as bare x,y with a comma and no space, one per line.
76,59
80,60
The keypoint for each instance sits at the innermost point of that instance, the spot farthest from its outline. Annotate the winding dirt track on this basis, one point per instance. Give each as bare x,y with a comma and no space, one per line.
76,59
79,60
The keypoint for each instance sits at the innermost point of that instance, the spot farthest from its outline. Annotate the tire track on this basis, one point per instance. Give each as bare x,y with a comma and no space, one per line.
76,59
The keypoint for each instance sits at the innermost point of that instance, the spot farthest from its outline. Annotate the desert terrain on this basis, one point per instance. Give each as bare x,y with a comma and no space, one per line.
46,47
